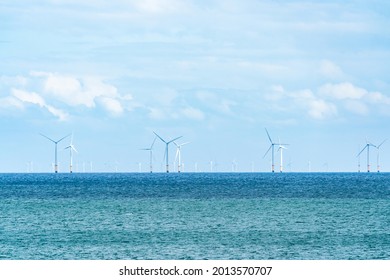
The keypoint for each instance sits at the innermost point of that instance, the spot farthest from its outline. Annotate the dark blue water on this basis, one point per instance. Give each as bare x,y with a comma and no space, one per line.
195,216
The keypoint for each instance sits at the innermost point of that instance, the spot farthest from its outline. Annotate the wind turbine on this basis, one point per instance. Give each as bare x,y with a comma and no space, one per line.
71,149
367,146
178,154
272,147
151,154
55,151
166,148
280,150
377,158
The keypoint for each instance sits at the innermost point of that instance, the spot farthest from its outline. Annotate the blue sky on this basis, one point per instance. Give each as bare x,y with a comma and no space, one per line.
314,73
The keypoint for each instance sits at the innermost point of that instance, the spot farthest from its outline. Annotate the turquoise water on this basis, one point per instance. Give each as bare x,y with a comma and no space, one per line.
195,216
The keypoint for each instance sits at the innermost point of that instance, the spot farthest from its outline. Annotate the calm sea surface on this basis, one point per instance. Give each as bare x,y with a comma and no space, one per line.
195,216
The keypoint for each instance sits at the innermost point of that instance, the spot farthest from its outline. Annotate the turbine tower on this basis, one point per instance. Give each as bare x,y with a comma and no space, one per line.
151,154
280,150
178,155
71,149
367,146
166,148
55,150
272,148
377,158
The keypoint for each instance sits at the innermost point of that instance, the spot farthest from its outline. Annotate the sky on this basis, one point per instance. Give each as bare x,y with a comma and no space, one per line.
218,72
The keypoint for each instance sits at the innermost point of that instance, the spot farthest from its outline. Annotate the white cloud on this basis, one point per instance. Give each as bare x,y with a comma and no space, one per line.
75,91
111,105
331,70
11,101
342,91
355,99
378,98
61,115
305,94
193,113
29,97
320,109
316,108
36,99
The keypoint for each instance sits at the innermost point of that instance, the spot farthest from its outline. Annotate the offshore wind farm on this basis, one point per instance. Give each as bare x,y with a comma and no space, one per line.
208,166
194,130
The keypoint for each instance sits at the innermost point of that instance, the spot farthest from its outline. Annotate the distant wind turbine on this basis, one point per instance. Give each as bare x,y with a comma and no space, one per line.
367,146
178,155
280,150
272,148
71,150
234,165
377,158
151,154
166,148
55,151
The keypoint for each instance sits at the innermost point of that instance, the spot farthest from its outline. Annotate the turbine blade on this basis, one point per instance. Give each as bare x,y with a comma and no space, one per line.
381,143
154,140
62,138
269,137
362,150
177,154
159,137
47,138
175,139
267,151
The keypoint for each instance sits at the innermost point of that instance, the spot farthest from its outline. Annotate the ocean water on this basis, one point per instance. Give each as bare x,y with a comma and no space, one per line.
195,216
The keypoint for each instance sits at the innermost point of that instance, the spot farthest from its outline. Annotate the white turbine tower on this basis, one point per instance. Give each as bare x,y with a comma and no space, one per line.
166,148
55,150
273,152
178,155
280,150
71,150
377,158
151,154
367,146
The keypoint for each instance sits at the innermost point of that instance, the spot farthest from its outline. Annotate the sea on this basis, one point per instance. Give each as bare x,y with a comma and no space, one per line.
195,216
